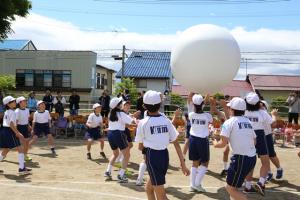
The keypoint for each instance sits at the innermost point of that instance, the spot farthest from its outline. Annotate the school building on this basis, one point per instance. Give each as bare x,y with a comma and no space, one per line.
63,71
270,86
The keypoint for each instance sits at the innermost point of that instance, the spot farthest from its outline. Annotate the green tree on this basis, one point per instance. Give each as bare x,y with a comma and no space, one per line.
219,96
9,9
7,82
177,100
129,84
278,102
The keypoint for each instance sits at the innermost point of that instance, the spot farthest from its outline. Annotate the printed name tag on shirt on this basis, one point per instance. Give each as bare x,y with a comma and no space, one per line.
159,129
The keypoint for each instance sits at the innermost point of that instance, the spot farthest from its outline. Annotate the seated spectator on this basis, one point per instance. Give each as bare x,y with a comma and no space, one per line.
59,103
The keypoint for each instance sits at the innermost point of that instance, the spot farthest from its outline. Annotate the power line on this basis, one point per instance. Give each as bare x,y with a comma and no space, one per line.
242,15
192,2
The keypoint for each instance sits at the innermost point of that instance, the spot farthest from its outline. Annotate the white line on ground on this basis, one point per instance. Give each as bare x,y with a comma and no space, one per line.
22,185
3,182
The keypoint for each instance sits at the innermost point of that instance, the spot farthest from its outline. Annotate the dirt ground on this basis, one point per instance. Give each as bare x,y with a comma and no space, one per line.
71,176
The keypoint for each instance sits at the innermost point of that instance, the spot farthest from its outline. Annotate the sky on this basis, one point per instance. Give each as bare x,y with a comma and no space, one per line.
105,25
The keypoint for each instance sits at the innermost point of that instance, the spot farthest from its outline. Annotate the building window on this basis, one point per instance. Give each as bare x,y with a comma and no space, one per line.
38,78
47,78
20,77
43,78
57,78
66,79
100,81
141,83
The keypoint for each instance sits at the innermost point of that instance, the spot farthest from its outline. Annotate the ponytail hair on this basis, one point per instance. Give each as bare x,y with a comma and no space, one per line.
113,117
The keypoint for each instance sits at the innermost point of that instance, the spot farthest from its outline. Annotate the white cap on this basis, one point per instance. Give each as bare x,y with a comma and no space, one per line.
96,105
252,98
237,103
151,97
266,104
197,99
114,102
19,99
8,99
39,102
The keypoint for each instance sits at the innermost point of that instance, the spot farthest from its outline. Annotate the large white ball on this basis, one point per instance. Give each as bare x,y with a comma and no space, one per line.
205,59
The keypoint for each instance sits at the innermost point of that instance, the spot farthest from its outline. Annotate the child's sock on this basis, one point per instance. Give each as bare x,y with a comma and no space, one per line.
193,176
122,172
142,170
120,158
200,175
21,160
226,165
248,185
109,168
262,180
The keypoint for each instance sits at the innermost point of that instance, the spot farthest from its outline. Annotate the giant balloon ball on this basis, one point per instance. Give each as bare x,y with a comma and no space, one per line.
205,58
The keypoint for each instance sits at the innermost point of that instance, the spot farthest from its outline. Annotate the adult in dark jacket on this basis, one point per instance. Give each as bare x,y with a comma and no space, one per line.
139,104
48,99
74,103
104,101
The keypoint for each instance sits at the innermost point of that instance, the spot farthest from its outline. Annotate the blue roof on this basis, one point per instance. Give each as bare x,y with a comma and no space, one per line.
13,44
147,65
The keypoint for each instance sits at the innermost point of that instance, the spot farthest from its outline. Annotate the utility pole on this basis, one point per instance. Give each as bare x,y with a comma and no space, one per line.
123,62
246,67
245,60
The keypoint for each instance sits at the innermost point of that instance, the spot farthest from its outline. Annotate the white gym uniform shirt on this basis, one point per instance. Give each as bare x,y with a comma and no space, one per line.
199,124
241,135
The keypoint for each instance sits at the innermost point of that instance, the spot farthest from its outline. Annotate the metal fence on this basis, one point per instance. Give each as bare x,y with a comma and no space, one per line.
87,107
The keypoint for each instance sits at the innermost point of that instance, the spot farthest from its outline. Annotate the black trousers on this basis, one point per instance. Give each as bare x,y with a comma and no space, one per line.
293,117
105,113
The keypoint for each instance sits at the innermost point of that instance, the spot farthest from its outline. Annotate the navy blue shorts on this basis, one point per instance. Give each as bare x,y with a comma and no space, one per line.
8,139
117,139
24,130
157,162
93,133
270,145
199,149
187,132
128,136
239,168
261,144
40,129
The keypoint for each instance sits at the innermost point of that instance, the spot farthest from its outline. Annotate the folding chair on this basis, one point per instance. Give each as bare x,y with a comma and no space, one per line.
61,125
79,125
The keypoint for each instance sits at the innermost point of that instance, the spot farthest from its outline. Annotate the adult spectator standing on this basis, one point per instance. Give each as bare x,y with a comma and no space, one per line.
74,103
294,107
32,102
48,99
59,103
104,102
126,96
167,101
139,104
